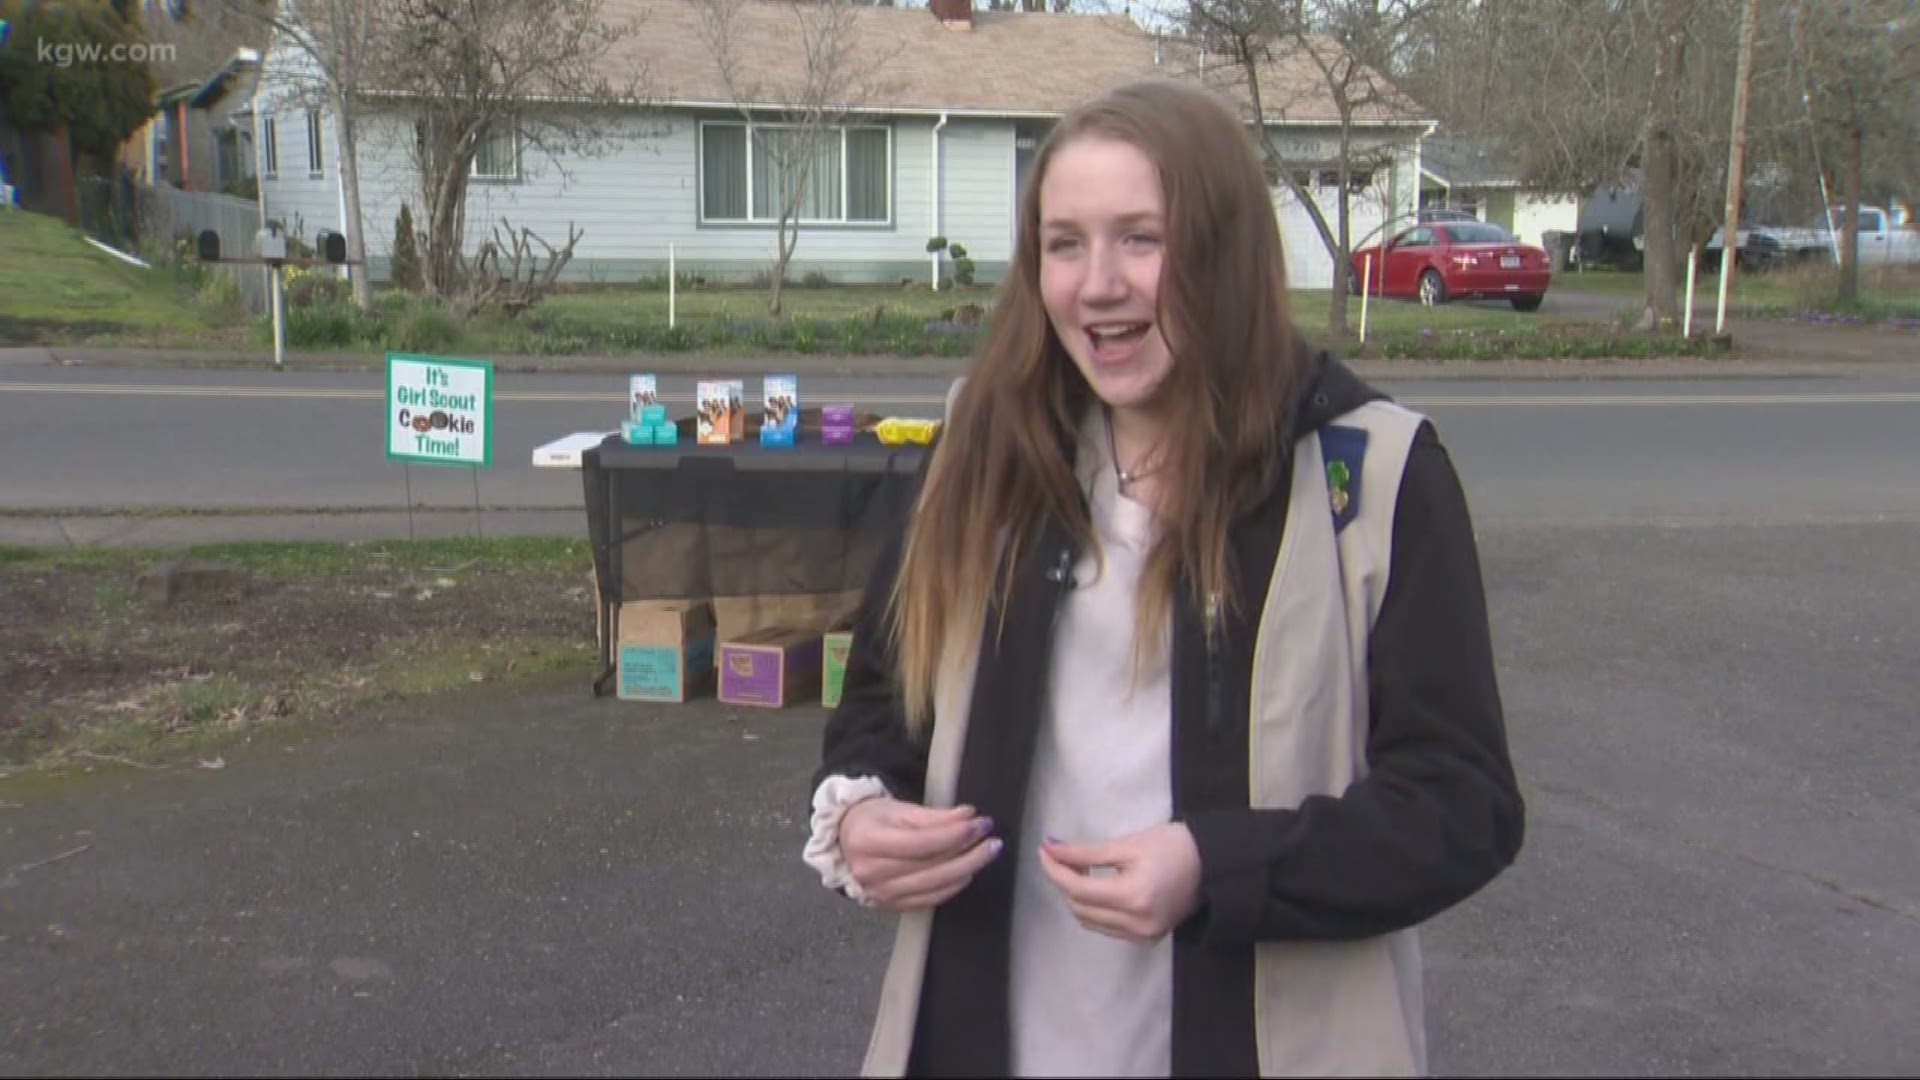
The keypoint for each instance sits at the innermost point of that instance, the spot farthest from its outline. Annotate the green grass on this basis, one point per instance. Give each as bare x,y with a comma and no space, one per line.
1885,293
634,308
54,286
295,559
733,321
60,290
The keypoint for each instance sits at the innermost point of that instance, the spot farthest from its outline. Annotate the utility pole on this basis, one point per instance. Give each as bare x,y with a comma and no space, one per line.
1736,164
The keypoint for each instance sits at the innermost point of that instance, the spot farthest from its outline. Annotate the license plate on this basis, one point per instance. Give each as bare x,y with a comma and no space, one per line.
1509,262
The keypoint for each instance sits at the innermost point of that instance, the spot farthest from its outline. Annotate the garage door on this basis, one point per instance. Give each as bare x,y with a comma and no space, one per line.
1308,265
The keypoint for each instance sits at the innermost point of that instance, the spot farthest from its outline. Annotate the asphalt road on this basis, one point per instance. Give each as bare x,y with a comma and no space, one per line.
1532,452
1702,597
1713,727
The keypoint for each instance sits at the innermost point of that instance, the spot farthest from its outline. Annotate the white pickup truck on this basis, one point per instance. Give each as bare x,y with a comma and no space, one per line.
1885,239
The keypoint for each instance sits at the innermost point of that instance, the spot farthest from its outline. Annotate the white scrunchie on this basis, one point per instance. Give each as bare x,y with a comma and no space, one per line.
830,802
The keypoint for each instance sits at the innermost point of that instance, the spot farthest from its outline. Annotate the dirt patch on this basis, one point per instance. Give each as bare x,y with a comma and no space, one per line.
87,666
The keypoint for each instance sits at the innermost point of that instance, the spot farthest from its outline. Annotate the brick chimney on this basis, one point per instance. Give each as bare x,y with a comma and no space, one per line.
953,14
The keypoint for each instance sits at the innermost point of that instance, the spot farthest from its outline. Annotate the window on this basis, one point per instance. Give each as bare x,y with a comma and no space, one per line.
316,147
1420,237
748,172
269,148
497,157
162,145
1480,233
1357,179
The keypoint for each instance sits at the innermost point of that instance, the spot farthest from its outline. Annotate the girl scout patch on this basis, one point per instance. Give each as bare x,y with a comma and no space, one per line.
1343,449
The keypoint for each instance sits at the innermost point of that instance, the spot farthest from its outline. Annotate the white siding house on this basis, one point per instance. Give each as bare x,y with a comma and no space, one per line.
1479,176
941,154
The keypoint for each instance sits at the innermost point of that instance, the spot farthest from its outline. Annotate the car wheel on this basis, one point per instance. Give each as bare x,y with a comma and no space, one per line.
1432,289
1526,303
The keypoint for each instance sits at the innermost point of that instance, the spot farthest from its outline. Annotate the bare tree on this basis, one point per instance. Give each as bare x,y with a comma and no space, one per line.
1347,45
793,123
1587,92
500,78
335,57
1860,85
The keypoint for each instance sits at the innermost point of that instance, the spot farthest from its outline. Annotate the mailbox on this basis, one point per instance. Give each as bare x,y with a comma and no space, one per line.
331,246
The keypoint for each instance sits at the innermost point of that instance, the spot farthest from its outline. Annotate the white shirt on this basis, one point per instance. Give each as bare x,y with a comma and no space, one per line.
1084,1003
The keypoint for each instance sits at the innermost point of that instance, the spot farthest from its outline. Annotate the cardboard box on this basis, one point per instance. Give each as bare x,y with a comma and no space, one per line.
771,668
834,648
836,425
642,391
665,650
714,409
780,401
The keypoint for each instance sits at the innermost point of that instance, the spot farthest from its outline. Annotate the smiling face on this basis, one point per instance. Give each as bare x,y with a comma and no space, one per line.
1102,239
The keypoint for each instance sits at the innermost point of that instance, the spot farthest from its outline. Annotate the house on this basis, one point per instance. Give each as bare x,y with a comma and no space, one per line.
205,60
1481,177
940,147
201,135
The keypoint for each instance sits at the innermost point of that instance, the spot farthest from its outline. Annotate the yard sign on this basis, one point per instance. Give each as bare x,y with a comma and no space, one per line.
439,411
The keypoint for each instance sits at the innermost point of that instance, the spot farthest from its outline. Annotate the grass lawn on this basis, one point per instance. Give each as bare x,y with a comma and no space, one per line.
1884,292
614,311
57,289
56,286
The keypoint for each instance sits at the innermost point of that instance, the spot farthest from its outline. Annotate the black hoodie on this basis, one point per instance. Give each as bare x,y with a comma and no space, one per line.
1438,815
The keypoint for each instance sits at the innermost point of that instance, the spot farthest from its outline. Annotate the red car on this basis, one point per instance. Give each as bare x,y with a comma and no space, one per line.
1456,260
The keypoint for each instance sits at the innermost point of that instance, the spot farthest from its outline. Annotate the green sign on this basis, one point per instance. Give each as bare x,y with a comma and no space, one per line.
439,411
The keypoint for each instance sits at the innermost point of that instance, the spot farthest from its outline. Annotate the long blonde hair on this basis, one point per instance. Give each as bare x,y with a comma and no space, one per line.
1002,468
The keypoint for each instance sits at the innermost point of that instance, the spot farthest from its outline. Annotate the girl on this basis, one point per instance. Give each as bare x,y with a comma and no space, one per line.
1174,712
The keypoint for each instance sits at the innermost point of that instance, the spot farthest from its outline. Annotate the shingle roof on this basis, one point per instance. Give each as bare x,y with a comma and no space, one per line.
1008,63
1465,162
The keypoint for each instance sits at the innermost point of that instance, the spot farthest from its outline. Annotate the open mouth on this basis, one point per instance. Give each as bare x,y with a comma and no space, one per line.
1115,342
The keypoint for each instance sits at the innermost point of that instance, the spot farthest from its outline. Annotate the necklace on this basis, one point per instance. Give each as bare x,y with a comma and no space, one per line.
1125,476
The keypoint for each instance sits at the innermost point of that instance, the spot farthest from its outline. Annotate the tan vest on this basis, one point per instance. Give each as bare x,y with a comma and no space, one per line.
1320,1008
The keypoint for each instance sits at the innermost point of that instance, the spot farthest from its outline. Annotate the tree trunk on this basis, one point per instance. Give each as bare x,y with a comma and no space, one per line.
1337,304
1850,224
346,128
446,225
783,252
1660,312
1277,163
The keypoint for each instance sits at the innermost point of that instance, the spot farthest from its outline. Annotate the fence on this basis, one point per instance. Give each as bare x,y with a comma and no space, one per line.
167,213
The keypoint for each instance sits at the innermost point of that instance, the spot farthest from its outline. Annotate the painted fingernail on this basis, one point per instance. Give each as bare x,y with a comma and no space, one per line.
1055,840
983,825
994,846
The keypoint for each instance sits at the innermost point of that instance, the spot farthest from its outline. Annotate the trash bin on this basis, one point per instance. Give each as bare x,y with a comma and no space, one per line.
1559,247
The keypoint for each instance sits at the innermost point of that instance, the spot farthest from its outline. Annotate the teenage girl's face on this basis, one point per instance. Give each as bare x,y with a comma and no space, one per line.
1102,229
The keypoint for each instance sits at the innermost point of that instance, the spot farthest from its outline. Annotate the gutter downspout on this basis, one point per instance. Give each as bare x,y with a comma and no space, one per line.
340,188
933,265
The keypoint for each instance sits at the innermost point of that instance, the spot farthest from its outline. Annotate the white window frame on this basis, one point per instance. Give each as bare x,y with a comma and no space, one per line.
270,149
316,146
513,173
886,221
